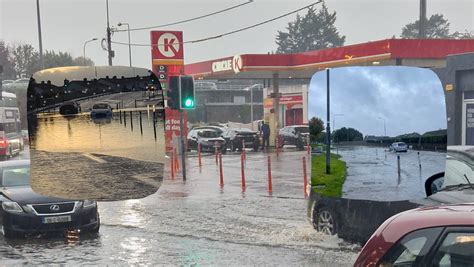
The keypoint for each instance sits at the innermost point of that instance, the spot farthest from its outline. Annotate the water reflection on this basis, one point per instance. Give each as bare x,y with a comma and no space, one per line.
80,133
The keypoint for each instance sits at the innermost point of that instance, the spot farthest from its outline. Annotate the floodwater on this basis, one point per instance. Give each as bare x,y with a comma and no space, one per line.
198,223
372,172
56,133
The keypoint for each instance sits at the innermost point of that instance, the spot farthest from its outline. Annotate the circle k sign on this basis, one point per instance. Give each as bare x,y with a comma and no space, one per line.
167,45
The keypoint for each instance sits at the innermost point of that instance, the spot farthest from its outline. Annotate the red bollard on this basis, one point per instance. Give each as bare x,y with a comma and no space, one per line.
243,149
243,171
199,155
309,150
172,165
305,177
220,171
270,188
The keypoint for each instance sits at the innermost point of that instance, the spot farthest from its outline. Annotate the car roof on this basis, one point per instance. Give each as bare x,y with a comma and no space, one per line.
428,217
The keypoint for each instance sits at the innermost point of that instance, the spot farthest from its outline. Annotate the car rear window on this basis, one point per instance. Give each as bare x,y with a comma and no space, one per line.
16,176
100,106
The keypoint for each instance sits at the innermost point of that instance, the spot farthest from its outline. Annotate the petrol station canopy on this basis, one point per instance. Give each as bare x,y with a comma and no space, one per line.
427,53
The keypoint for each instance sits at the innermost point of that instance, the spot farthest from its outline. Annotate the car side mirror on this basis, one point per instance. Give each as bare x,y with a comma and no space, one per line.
434,184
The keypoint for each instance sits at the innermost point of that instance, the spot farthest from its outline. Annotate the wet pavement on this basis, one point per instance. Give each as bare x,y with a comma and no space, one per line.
196,223
372,173
93,176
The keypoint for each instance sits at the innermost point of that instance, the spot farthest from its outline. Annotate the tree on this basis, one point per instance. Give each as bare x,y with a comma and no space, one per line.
316,127
437,27
315,30
60,59
26,59
6,61
79,61
347,134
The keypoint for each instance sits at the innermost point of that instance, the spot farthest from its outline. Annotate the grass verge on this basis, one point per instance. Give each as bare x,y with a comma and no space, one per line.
332,182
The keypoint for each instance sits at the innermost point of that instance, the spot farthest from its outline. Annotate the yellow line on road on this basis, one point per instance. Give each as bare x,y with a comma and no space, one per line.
87,155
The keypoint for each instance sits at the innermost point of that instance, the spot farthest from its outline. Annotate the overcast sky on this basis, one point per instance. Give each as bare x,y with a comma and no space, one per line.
409,99
67,24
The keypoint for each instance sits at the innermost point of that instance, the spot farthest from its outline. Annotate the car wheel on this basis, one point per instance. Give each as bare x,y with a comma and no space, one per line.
325,221
224,149
8,233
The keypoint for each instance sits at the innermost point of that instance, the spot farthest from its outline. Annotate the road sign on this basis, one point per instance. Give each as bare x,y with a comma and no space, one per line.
167,45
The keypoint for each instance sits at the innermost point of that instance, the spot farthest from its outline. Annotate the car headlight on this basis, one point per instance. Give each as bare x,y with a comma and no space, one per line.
89,203
11,207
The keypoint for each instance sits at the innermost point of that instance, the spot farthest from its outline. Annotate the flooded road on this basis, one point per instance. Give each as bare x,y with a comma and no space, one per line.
196,223
112,158
372,173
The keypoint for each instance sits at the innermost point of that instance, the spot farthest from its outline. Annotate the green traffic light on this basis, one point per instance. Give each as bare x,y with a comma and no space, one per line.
188,103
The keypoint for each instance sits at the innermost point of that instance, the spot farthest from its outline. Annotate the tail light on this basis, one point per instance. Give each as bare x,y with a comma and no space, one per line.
3,142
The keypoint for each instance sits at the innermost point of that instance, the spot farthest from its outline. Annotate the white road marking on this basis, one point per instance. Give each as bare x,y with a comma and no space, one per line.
87,155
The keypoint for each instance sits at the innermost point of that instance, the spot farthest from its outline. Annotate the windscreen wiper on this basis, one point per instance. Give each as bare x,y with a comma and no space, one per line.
469,182
456,186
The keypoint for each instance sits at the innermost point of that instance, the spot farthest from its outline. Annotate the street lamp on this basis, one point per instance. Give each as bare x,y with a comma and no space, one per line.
129,44
251,101
84,49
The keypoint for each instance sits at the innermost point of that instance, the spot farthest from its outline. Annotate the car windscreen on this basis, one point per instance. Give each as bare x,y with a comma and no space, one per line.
15,176
302,129
208,134
100,106
458,172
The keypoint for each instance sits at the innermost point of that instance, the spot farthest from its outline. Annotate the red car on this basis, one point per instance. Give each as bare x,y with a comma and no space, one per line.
429,236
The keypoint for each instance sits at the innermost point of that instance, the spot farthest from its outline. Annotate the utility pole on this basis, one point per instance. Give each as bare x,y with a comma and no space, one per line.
109,33
328,128
39,35
422,20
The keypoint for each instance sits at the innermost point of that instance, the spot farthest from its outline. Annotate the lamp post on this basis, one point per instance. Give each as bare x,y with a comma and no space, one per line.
39,35
84,49
129,44
251,101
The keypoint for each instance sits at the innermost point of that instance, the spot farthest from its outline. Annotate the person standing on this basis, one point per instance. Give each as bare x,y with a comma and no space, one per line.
266,135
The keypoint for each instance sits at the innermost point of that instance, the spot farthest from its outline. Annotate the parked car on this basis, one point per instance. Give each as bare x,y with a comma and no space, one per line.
399,147
429,236
25,212
357,219
19,84
297,135
101,110
236,137
6,83
70,108
208,139
11,144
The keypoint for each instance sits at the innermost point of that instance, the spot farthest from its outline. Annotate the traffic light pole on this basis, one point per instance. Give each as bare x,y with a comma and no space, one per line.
181,137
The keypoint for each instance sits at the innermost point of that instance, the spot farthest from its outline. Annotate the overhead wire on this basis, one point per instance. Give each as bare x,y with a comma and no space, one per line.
188,20
230,32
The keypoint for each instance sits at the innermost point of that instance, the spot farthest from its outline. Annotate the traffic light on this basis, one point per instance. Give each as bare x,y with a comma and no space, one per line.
173,92
186,92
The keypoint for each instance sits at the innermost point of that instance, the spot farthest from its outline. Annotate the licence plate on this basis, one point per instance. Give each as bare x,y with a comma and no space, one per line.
57,219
